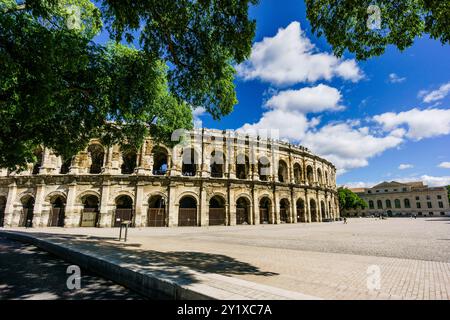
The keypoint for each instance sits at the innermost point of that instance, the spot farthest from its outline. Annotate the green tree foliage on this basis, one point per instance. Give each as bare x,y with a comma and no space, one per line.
59,88
344,24
349,200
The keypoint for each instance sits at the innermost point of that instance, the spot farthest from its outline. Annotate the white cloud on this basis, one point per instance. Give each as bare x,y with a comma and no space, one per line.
394,78
348,146
196,114
445,165
289,57
315,99
291,125
419,123
405,166
435,95
435,181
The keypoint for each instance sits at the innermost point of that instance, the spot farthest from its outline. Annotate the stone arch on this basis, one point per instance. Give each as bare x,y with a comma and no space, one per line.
284,210
81,195
297,173
313,210
217,164
157,213
90,215
97,155
188,194
190,162
58,205
187,210
160,160
242,166
217,210
129,161
283,175
309,174
264,168
301,210
124,207
265,209
27,214
243,209
50,196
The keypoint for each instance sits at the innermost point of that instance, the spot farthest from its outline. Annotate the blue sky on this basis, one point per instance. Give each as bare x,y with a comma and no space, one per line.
422,141
387,118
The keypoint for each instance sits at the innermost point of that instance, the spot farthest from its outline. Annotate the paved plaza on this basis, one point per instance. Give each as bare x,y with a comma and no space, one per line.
324,260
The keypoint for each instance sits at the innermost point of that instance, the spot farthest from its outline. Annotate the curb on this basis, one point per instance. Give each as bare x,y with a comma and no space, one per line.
144,284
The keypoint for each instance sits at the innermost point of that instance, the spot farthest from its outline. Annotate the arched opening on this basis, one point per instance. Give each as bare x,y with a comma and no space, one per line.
309,175
330,211
187,212
388,204
371,204
189,167
2,211
37,165
407,203
124,210
284,210
156,216
301,214
319,176
327,182
242,166
129,159
57,214
323,212
397,203
97,154
264,210
242,211
264,168
282,172
26,218
217,215
217,164
65,166
90,215
297,174
313,210
160,161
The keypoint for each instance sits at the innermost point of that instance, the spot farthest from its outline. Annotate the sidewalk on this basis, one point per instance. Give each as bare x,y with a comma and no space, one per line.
147,274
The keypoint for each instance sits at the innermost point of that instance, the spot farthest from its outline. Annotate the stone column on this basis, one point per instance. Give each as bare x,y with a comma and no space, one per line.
293,215
40,219
255,208
105,213
275,210
307,208
172,207
73,216
139,210
9,209
204,217
231,208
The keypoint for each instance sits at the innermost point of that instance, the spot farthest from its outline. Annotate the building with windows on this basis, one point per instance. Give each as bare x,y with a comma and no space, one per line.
402,199
212,178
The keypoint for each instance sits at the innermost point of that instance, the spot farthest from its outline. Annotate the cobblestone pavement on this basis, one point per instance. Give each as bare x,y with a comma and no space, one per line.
327,260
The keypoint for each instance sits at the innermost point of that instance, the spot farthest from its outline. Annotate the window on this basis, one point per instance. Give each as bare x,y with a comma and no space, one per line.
420,213
442,213
441,204
379,204
404,189
417,198
386,190
429,205
371,206
407,203
418,205
397,203
377,191
430,213
439,197
369,191
388,204
395,189
428,198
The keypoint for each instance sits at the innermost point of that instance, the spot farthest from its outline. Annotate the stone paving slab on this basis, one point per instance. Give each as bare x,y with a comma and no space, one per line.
152,281
326,260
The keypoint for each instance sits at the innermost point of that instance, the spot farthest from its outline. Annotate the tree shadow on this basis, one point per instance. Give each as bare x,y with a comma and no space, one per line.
177,266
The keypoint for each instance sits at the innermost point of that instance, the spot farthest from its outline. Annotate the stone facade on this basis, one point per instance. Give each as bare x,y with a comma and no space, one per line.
212,178
402,199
